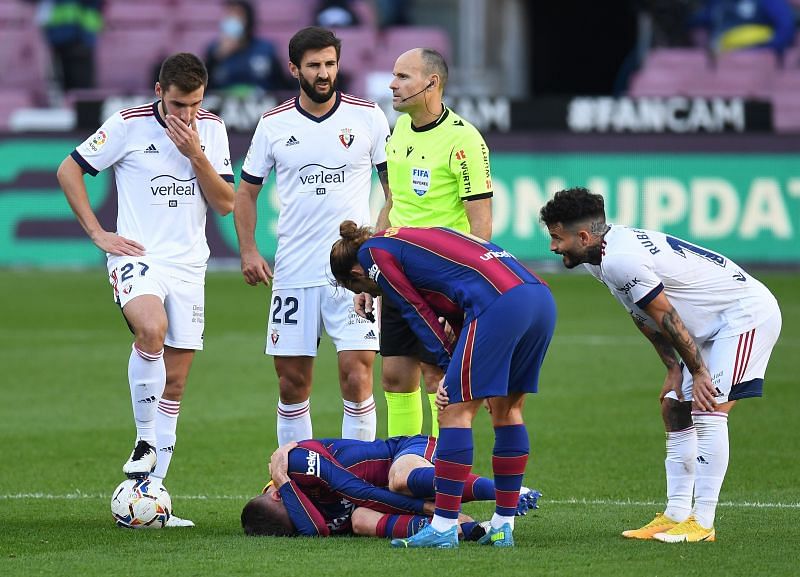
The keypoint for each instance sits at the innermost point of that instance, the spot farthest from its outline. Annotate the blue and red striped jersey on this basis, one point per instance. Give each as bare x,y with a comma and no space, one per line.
329,478
439,272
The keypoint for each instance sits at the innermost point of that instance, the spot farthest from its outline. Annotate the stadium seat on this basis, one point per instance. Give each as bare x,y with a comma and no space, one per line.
24,59
786,111
765,60
202,15
280,39
16,14
11,100
291,15
129,15
127,59
395,40
785,101
686,59
666,71
358,43
745,73
365,10
194,40
398,39
658,82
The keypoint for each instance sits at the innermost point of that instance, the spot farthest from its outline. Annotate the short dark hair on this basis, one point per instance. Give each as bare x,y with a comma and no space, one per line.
573,205
183,70
435,64
259,518
312,38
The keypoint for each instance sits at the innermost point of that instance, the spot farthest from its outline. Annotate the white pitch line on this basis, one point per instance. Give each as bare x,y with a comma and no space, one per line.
545,500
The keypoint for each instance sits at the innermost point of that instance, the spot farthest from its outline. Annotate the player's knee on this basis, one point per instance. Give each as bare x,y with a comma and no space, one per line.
357,382
397,481
360,522
150,335
294,388
398,382
431,376
677,415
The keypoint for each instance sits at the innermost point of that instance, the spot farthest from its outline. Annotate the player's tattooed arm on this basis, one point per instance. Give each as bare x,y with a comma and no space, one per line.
682,340
383,217
662,345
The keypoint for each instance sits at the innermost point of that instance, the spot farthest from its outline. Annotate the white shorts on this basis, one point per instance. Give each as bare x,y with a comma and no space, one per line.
184,301
737,364
298,315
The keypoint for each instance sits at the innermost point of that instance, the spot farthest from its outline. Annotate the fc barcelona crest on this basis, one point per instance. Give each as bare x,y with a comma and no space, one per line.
346,137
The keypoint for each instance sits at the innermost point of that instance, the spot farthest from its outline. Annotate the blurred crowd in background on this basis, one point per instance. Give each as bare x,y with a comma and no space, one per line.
56,52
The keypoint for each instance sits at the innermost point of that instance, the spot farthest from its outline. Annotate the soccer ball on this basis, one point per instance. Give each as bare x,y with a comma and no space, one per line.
138,504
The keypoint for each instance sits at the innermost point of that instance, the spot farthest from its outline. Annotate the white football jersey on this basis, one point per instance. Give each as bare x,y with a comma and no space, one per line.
323,170
713,295
160,204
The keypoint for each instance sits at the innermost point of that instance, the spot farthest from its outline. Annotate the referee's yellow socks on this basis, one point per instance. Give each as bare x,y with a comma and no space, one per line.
404,413
434,415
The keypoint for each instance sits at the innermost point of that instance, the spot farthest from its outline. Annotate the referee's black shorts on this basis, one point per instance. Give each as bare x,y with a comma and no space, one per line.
397,338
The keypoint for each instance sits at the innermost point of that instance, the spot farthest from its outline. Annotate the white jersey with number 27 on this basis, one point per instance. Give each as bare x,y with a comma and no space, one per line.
160,204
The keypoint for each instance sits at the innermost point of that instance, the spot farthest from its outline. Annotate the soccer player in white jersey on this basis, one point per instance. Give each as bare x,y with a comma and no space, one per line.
722,322
171,161
322,145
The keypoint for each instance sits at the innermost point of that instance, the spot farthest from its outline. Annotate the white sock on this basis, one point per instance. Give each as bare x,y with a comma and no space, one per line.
360,420
294,422
442,524
712,463
499,520
680,468
166,424
146,377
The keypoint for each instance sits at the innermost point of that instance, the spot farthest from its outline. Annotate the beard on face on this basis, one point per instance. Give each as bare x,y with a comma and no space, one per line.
594,254
314,94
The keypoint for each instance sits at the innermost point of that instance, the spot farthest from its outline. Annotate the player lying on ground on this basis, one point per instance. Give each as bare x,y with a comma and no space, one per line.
340,486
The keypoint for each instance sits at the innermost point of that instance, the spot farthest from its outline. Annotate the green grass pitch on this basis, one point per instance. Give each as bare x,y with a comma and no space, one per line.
597,448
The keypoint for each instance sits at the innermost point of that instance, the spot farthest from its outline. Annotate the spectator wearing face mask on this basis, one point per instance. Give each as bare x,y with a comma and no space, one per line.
238,62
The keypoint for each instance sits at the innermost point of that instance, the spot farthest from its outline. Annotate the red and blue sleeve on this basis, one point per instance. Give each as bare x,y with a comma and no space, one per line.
339,480
304,515
422,319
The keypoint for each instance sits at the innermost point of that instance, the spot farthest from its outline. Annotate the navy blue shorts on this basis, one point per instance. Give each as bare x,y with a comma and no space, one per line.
420,445
502,350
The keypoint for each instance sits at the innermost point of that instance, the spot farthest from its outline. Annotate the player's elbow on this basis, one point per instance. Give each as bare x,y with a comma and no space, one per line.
224,206
68,170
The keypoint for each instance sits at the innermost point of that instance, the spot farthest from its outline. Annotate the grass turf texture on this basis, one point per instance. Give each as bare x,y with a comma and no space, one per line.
597,448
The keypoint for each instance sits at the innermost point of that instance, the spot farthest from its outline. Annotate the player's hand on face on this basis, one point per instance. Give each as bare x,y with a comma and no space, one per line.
442,398
703,391
115,244
185,137
255,269
364,305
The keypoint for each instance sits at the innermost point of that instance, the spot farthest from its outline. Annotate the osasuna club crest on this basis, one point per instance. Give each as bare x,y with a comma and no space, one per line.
346,137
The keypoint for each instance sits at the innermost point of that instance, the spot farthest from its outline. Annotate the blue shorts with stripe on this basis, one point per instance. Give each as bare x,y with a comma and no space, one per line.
502,350
421,445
